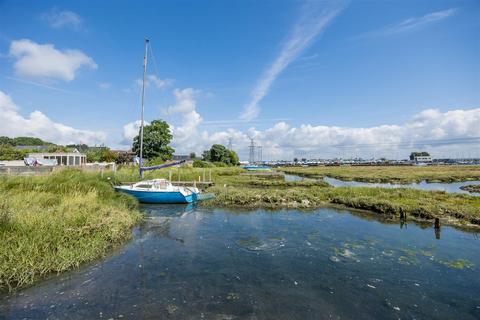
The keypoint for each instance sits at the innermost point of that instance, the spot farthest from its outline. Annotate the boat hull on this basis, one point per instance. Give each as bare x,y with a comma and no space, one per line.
159,197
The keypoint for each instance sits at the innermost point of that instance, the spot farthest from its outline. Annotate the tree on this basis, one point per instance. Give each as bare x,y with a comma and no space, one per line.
415,154
6,141
29,141
234,159
123,157
156,137
219,153
7,152
101,154
192,155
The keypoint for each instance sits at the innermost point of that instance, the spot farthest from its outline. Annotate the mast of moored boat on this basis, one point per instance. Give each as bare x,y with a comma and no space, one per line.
140,162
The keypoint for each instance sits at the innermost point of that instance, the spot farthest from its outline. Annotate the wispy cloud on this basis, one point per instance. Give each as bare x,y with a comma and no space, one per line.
240,122
314,18
411,24
62,18
104,85
41,85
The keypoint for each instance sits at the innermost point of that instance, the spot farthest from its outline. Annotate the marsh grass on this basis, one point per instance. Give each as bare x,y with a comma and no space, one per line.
253,192
233,189
473,188
54,223
390,174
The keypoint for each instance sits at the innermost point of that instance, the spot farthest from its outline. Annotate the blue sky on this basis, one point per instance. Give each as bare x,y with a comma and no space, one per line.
302,77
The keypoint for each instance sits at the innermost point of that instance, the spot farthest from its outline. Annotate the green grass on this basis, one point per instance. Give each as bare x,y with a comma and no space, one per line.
471,188
54,223
392,174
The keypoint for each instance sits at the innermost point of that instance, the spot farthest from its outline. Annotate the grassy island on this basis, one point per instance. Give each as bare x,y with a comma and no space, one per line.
474,188
390,174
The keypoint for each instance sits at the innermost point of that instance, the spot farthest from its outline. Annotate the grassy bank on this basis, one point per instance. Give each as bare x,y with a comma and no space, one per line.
54,223
390,174
474,188
402,203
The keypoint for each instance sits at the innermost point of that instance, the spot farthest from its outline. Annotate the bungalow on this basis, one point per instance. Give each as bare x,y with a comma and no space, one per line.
63,158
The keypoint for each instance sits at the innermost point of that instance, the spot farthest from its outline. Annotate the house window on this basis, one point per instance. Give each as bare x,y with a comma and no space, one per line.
70,161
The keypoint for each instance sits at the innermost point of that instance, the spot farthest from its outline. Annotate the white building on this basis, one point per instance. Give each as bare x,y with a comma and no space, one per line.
423,159
63,158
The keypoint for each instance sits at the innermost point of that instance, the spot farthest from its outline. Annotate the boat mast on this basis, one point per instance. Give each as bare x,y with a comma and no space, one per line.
143,101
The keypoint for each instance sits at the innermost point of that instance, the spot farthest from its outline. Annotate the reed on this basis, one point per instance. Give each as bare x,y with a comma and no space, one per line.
54,223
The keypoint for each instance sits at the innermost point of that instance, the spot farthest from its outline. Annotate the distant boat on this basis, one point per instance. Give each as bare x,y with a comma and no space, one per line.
159,191
257,168
156,190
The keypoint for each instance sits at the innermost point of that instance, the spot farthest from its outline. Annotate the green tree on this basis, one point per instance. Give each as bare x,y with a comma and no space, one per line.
156,137
192,155
418,154
6,141
101,154
7,152
29,141
234,159
220,154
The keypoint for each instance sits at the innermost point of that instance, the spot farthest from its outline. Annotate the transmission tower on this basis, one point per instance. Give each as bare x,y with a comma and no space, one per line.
259,152
251,157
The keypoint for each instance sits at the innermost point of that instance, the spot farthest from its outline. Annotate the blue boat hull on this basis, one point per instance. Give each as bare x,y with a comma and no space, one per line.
159,197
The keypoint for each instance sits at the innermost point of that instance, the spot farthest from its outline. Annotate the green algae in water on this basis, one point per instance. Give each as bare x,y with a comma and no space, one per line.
249,242
253,243
408,260
459,264
233,296
172,308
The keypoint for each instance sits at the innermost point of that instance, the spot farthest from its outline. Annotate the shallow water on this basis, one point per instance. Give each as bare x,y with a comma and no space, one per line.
453,187
189,263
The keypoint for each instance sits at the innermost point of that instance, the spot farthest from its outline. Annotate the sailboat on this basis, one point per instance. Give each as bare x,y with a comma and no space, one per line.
156,190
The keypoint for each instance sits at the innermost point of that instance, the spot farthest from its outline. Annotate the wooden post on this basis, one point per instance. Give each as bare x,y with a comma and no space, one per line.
210,175
437,228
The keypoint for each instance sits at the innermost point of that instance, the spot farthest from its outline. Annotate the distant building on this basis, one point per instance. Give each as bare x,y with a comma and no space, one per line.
63,158
423,159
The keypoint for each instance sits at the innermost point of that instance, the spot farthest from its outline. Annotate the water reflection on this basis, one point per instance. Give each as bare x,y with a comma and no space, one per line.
191,263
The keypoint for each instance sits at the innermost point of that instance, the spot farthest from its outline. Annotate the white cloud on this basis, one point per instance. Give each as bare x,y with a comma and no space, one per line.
314,19
104,85
130,131
39,125
43,61
62,18
444,134
156,81
185,135
412,23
